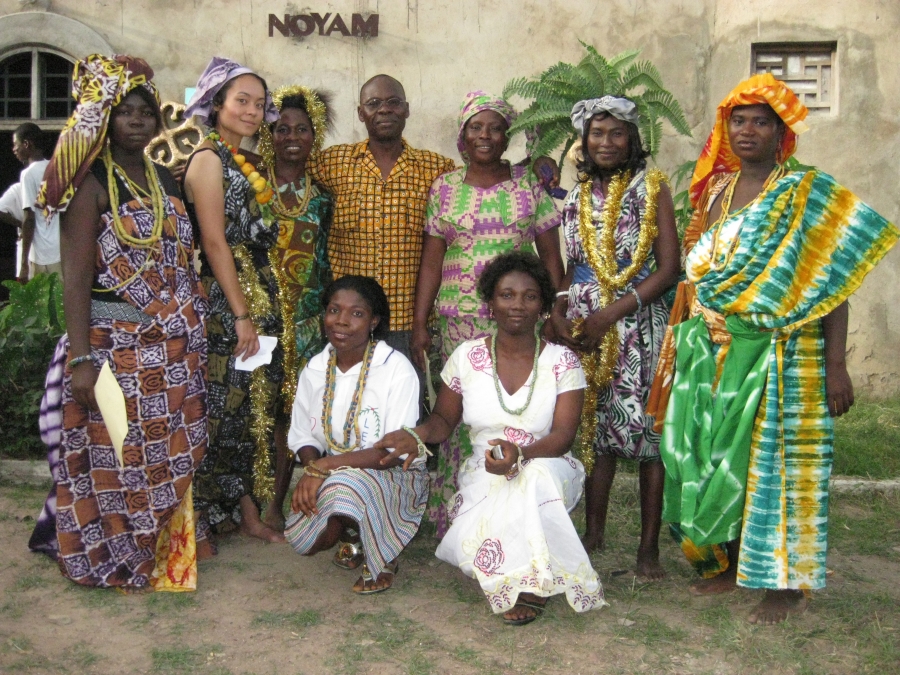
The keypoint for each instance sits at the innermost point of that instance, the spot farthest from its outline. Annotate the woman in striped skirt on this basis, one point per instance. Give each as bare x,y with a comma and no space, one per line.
348,396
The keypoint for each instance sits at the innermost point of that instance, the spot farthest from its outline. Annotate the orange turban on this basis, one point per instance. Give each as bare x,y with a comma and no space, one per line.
717,156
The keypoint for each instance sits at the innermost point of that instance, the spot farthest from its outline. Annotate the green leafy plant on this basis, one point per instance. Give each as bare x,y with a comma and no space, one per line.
560,87
30,326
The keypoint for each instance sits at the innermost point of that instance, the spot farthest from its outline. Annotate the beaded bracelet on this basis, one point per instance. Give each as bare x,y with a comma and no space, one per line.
423,449
518,465
78,360
637,297
242,317
315,471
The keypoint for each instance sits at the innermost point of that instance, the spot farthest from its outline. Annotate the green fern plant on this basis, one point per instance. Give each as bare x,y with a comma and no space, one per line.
561,86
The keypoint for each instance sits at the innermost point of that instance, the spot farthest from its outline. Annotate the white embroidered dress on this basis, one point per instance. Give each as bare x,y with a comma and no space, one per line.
514,534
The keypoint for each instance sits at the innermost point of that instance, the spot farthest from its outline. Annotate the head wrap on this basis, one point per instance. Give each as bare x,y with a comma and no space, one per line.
717,156
474,103
621,108
99,83
316,108
217,74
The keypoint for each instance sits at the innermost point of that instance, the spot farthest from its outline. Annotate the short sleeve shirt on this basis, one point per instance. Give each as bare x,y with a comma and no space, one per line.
45,245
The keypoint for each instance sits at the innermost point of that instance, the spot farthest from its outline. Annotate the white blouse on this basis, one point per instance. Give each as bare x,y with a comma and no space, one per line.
389,401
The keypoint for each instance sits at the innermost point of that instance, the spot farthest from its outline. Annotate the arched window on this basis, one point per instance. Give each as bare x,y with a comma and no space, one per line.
36,84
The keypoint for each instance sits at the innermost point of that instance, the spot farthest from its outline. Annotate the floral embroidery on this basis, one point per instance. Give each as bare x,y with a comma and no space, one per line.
567,361
501,598
457,505
456,385
480,357
489,557
518,436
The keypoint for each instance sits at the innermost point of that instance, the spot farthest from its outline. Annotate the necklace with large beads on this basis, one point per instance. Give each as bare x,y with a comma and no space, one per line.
259,184
351,422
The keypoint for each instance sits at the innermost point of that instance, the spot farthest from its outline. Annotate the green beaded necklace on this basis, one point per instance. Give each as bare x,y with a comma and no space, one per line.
534,370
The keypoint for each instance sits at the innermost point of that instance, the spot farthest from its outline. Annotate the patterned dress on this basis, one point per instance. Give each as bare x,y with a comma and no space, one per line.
477,224
131,523
623,427
513,534
226,473
302,257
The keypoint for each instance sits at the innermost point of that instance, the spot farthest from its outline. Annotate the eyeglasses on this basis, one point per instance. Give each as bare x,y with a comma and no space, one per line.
393,104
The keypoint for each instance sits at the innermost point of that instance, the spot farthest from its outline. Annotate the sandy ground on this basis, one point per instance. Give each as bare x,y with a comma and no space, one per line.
262,609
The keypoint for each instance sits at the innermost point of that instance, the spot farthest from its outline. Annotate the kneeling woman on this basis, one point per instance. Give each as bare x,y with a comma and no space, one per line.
510,524
347,397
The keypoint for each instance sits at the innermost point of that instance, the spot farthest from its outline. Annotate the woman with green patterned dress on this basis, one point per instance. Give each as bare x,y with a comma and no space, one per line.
302,210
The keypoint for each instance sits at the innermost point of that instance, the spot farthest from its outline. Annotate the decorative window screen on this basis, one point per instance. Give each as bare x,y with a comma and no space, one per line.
809,68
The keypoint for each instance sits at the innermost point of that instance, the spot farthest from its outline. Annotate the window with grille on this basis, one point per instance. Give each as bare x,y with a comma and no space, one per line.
35,84
809,68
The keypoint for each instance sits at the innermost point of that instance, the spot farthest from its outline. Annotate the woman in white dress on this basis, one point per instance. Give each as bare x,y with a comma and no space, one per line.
510,529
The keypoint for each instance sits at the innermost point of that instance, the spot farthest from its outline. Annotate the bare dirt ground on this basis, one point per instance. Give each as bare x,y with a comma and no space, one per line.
262,609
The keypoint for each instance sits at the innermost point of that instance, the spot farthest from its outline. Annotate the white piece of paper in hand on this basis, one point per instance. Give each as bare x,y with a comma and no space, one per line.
111,402
262,357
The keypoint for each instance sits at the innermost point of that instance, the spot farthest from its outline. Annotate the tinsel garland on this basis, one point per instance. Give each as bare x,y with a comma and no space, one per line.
315,109
600,251
259,306
289,337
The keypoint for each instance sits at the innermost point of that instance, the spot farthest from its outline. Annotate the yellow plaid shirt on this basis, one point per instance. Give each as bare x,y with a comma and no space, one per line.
378,224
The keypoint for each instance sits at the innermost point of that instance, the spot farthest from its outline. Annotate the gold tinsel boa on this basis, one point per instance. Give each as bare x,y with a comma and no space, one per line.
259,305
600,251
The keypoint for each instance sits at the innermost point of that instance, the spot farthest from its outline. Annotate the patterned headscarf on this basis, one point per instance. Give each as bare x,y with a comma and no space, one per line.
218,72
317,107
99,83
717,156
474,103
621,108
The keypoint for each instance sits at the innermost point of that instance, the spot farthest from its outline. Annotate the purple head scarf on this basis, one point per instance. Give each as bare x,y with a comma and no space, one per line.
474,103
217,74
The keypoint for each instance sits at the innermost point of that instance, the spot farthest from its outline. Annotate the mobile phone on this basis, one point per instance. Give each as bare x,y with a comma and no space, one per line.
497,451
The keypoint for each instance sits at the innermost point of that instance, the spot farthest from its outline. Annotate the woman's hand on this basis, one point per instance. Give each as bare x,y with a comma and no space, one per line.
84,377
398,443
595,327
419,344
562,328
501,467
838,388
248,340
306,495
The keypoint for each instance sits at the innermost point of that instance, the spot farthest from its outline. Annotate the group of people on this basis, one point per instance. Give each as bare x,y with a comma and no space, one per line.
349,255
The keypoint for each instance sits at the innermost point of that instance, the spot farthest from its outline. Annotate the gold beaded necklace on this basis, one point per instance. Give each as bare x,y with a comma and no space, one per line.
351,422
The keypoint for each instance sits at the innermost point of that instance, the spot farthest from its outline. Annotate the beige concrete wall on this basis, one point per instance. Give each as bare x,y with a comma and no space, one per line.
440,49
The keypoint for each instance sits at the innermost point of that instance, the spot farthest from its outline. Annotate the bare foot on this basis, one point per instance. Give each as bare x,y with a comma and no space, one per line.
273,517
206,549
776,606
721,583
592,541
135,590
648,568
252,526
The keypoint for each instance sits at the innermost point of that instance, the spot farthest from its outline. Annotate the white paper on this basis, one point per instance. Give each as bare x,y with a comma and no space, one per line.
261,358
111,402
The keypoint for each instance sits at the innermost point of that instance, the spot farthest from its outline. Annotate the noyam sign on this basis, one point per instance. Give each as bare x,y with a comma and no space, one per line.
301,25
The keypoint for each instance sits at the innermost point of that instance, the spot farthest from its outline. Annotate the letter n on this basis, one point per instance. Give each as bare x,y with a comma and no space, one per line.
274,23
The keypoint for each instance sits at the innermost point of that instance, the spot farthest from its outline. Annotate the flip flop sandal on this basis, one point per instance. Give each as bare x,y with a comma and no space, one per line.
349,555
389,568
538,610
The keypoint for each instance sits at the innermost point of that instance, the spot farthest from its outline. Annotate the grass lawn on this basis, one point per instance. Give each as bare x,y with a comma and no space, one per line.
867,440
262,610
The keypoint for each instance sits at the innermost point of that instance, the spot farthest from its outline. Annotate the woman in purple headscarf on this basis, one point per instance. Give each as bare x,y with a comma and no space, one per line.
224,192
475,213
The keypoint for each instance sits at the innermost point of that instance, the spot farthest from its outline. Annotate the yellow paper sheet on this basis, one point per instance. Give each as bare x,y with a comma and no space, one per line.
111,402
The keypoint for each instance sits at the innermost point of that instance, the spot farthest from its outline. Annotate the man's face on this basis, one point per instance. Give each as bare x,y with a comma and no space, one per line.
383,109
754,132
21,149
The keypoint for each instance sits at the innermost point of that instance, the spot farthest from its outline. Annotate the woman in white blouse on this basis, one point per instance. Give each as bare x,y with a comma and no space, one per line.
510,529
348,396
